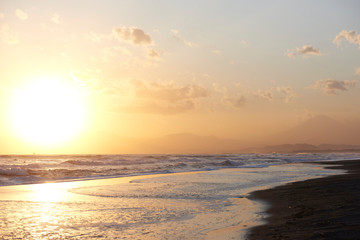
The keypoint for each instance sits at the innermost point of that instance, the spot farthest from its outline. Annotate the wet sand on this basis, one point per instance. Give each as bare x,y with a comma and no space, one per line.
324,208
190,205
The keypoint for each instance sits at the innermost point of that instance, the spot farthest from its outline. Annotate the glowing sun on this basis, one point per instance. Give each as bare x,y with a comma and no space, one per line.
47,111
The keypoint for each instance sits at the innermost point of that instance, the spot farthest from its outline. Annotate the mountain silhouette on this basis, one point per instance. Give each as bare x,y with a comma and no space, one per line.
321,130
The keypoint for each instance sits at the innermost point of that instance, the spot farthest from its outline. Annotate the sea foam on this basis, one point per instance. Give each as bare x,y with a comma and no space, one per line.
25,169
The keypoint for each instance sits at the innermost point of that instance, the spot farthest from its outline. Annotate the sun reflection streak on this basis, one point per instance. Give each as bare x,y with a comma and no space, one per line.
51,192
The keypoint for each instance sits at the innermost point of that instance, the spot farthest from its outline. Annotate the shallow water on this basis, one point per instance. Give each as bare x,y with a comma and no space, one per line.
193,205
26,169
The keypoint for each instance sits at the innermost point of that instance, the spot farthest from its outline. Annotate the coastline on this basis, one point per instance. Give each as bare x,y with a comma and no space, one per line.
321,208
190,205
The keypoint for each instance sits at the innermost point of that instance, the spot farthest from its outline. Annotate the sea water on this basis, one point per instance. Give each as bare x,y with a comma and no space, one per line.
142,196
27,169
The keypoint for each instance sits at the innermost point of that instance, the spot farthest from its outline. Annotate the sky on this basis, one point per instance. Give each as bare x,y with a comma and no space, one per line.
146,69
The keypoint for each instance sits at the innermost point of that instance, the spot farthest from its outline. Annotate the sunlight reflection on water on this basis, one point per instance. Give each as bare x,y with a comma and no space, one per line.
165,206
51,192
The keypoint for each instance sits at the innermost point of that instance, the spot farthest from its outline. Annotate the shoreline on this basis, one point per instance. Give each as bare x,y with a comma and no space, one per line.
225,192
192,205
321,208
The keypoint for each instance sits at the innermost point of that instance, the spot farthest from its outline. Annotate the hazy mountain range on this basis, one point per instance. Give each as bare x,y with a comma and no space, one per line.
322,130
318,134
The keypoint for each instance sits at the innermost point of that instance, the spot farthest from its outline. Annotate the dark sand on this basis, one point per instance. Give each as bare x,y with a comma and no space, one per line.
324,208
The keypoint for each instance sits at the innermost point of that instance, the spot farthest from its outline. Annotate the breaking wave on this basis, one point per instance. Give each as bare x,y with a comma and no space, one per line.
26,169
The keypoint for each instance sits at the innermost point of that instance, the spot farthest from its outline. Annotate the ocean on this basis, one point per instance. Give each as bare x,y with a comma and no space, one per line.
143,196
27,169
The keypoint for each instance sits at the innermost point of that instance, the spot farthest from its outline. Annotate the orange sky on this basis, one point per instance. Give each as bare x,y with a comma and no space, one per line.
140,69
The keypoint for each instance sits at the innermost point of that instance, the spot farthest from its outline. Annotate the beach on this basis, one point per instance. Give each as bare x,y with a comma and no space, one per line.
323,208
179,120
185,205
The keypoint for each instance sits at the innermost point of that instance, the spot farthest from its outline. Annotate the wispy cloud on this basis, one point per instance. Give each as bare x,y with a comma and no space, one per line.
267,94
304,51
350,36
96,37
7,36
217,52
308,50
135,96
21,14
132,35
357,71
237,102
219,88
152,54
287,93
90,79
158,108
170,92
177,36
164,98
283,92
290,54
55,18
333,87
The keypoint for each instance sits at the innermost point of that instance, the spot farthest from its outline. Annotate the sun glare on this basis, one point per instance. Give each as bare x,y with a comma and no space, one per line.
48,111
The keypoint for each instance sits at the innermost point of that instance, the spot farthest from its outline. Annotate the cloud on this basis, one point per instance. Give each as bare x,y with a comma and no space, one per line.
220,89
304,51
243,42
308,50
169,92
357,71
177,36
282,92
107,54
135,96
153,54
96,37
163,109
350,36
7,36
165,97
333,87
2,15
92,80
132,35
238,102
290,54
267,95
21,14
217,52
287,93
55,18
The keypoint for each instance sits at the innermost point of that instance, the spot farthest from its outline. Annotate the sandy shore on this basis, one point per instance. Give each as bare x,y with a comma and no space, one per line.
324,208
189,205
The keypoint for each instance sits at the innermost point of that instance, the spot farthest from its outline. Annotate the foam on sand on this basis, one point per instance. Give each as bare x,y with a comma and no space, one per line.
195,205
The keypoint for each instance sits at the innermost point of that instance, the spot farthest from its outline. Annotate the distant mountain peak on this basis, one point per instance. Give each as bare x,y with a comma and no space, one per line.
188,135
320,129
321,119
